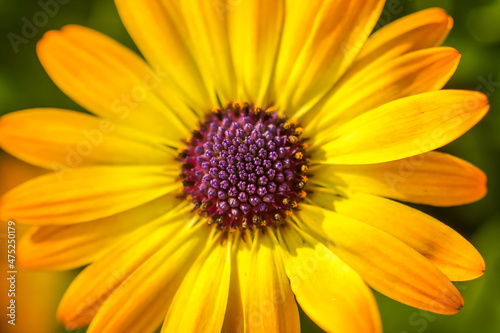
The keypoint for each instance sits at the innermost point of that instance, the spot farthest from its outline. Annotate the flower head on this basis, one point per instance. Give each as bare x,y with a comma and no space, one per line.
249,164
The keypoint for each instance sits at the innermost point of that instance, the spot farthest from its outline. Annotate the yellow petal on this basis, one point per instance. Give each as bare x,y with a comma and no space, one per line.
111,81
205,24
427,28
269,304
330,292
311,61
405,127
85,194
254,28
150,270
200,302
432,178
70,246
410,74
445,248
240,265
155,27
387,264
53,138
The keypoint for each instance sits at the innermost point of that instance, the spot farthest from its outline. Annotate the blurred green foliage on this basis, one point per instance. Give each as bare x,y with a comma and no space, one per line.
476,34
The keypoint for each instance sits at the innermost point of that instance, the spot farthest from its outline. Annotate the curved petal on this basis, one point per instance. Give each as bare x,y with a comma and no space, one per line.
85,194
74,245
330,292
154,27
151,275
387,264
445,248
413,73
254,28
426,28
433,178
104,278
311,61
52,138
200,302
111,81
405,127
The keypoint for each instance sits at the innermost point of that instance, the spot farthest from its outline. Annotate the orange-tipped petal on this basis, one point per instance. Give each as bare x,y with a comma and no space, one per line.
405,127
387,264
330,292
119,86
75,245
433,178
85,194
445,248
410,74
53,138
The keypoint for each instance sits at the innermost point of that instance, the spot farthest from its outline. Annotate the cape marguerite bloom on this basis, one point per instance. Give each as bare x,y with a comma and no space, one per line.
249,164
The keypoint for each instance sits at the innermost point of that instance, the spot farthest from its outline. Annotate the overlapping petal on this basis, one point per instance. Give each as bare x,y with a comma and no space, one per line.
387,264
405,127
157,29
75,245
311,61
111,81
268,304
329,291
254,28
155,282
441,245
129,258
200,302
423,29
410,74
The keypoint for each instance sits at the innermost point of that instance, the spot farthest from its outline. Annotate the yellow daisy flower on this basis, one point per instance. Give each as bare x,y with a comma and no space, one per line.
208,215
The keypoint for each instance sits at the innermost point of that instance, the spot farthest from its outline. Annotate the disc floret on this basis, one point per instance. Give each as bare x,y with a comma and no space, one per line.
245,167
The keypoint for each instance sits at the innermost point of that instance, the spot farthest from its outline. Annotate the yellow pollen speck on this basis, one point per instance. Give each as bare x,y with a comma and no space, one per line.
299,155
293,139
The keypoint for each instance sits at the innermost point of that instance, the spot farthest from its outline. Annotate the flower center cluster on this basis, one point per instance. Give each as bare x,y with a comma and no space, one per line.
245,167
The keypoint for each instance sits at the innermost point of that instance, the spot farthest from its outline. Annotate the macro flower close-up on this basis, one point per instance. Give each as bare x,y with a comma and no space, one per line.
257,158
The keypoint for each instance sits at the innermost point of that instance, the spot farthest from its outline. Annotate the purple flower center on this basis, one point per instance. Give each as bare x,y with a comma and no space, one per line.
245,167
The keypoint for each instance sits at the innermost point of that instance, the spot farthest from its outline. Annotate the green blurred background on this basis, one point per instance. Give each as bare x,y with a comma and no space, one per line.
476,34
